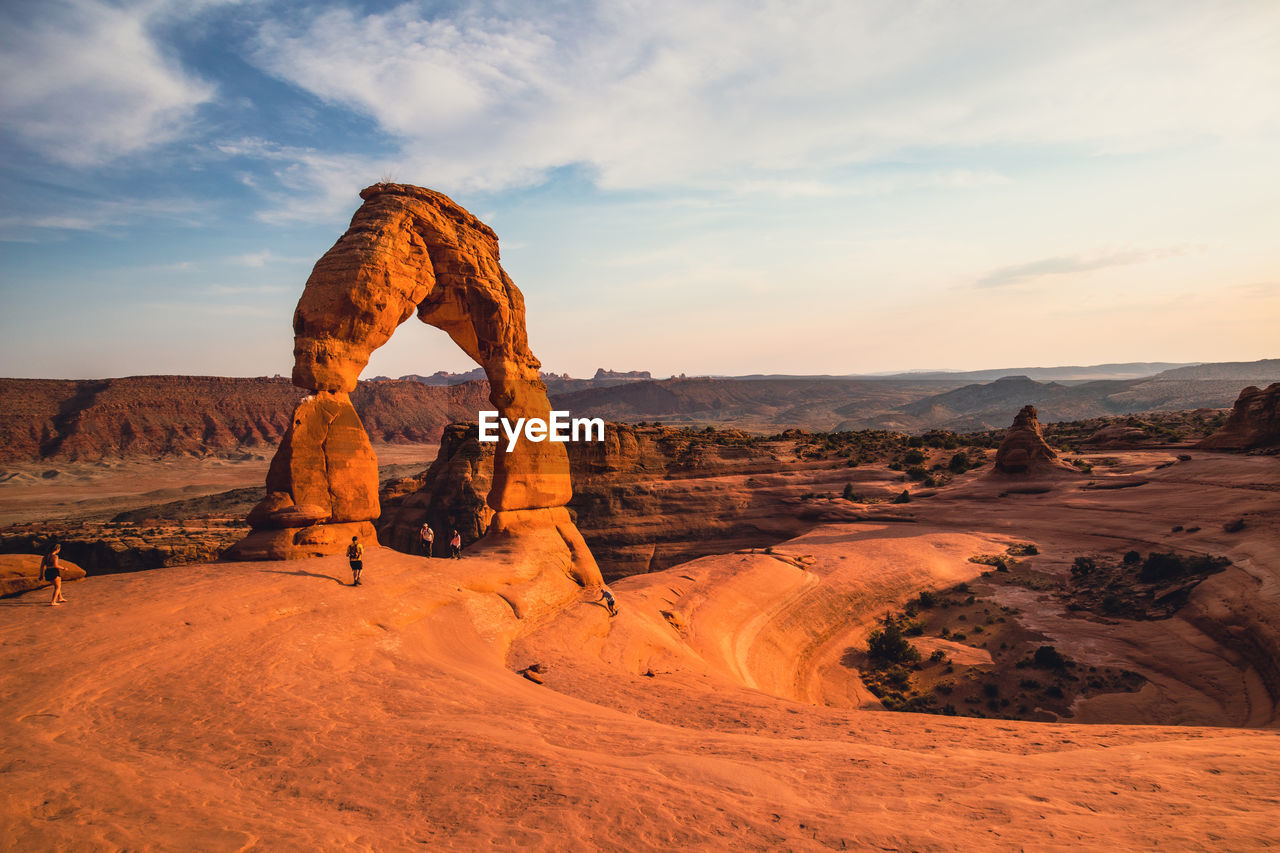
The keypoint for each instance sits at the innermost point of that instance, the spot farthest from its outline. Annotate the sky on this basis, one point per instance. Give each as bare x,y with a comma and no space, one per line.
708,187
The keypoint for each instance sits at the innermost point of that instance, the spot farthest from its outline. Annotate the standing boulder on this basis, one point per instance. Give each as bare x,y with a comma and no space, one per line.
1024,451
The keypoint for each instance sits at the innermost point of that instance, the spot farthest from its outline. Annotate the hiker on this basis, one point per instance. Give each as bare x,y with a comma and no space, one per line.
455,546
428,538
355,553
52,573
609,602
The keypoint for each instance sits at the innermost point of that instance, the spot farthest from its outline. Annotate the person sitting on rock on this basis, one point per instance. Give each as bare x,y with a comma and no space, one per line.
428,538
52,573
609,602
355,553
455,546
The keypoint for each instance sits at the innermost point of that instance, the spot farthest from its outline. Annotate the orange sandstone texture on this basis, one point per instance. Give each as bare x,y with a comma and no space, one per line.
22,572
408,249
1024,450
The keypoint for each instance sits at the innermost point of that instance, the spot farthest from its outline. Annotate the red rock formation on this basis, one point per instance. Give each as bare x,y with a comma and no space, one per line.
1254,422
409,249
22,572
645,498
1024,450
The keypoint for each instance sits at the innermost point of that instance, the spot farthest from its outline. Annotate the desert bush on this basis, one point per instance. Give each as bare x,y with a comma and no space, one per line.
886,646
1047,657
903,498
1234,526
999,562
850,494
1163,567
916,472
959,463
926,599
1132,557
1083,567
912,457
938,656
1023,549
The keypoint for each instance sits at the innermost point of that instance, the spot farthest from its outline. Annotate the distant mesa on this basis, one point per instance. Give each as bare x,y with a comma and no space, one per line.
626,376
408,250
1254,422
1024,451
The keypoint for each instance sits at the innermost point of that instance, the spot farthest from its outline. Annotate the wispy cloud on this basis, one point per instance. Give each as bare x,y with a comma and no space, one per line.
84,81
1069,264
263,258
766,97
107,216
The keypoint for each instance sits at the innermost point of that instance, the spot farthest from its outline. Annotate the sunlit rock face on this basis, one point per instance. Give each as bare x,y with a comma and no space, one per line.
1024,450
408,250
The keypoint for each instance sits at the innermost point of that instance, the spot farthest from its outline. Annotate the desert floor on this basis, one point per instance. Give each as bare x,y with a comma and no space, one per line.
100,489
271,706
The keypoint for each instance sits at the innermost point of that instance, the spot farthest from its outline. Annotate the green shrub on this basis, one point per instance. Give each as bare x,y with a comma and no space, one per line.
915,472
1164,567
959,463
887,646
1047,657
1083,567
912,457
1132,557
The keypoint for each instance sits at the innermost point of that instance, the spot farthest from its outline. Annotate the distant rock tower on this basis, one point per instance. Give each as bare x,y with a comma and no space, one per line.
1024,450
1254,423
408,250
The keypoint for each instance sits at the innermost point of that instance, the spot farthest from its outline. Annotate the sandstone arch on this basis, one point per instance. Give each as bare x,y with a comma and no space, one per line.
408,250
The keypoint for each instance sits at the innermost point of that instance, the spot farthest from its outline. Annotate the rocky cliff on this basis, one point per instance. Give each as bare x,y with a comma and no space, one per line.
1254,422
150,416
646,498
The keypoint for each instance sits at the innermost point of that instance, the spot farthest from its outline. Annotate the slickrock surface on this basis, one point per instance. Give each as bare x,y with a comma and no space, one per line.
1254,422
266,704
1024,451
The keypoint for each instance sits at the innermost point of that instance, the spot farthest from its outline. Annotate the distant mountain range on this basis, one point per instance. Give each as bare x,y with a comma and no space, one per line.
1127,370
164,415
918,402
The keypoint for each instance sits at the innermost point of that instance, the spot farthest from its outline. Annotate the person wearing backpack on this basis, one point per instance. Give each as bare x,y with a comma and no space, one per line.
355,553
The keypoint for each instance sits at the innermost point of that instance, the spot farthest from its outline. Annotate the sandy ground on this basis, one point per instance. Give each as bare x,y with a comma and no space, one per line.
74,490
271,707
